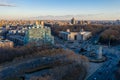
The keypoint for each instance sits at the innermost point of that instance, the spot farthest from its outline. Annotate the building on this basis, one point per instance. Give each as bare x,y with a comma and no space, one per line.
1,30
17,36
39,34
6,44
84,22
81,22
75,36
73,21
39,23
117,22
87,22
17,39
1,37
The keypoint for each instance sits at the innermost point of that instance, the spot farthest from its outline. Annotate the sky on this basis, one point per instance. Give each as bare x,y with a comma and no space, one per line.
83,9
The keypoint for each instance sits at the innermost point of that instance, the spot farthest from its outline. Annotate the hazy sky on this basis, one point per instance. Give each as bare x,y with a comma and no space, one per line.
90,9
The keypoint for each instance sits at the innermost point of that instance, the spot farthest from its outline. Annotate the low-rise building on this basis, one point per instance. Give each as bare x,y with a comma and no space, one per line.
17,39
79,36
6,44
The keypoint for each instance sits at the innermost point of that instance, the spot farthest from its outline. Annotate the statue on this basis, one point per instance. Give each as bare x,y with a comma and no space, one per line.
99,53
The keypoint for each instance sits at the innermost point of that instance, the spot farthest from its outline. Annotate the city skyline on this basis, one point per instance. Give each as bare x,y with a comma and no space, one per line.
81,9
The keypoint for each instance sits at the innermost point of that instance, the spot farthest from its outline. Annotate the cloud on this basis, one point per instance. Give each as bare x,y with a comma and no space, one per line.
7,5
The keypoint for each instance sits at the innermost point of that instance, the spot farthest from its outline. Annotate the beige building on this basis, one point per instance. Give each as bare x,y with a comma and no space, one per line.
6,44
79,36
40,23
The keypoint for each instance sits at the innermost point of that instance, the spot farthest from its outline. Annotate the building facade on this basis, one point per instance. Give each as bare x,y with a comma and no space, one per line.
73,21
75,36
17,39
6,44
39,34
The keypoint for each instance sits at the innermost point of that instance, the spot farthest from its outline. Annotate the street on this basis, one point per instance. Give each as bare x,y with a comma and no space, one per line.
107,68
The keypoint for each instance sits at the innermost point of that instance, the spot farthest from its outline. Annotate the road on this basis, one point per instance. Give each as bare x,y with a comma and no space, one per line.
106,71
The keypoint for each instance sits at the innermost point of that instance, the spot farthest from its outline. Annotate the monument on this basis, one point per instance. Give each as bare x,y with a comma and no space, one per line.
99,53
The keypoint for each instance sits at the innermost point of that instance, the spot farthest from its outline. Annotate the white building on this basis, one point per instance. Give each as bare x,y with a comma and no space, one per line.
79,36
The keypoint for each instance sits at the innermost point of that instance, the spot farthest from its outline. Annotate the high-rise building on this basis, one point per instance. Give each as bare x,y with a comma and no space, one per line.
73,21
81,22
39,34
84,22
